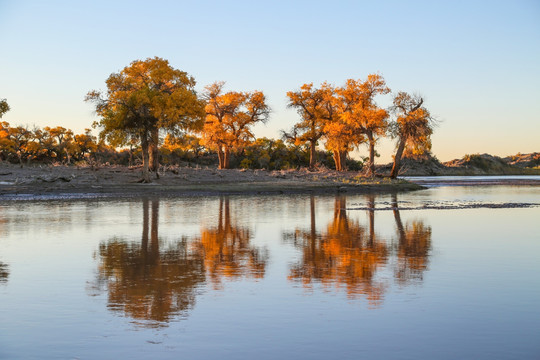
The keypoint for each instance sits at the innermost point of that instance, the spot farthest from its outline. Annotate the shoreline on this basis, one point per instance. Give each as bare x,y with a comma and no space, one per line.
64,182
42,183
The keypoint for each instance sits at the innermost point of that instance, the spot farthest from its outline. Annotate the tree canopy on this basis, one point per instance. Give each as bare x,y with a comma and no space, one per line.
412,127
229,119
4,107
144,98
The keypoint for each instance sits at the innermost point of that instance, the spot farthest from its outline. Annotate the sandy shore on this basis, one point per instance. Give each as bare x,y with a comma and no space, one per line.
49,182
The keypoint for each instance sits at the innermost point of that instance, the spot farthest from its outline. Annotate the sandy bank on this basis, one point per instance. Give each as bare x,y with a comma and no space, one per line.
49,182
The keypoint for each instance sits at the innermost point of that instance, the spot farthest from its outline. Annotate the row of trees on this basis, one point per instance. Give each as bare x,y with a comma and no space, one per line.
152,105
22,144
348,116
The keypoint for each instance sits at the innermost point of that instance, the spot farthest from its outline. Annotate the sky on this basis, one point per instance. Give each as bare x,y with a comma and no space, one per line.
476,63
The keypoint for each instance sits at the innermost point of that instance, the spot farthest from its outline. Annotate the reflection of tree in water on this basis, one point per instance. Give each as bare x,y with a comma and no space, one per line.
146,282
348,254
4,273
414,244
227,251
153,284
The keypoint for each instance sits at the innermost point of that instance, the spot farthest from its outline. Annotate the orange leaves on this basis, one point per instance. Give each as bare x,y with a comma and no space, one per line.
230,117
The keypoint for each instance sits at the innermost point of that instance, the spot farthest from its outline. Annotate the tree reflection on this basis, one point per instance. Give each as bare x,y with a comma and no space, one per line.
414,245
4,273
146,282
350,255
226,249
154,284
346,254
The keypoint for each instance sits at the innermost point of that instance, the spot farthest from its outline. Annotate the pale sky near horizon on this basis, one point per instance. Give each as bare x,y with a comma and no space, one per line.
475,62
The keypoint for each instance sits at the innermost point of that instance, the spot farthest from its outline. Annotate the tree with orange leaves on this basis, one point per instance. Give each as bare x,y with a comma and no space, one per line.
229,119
412,127
341,137
142,99
361,112
308,101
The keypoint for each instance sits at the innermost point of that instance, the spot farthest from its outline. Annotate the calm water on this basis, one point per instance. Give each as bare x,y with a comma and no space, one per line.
446,273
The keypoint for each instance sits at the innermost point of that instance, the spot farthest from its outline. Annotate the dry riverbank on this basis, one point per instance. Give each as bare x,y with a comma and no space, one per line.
45,182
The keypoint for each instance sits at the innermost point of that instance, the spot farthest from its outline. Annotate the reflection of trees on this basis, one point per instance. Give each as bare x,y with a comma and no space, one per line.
226,249
149,282
348,254
4,273
146,282
344,255
413,247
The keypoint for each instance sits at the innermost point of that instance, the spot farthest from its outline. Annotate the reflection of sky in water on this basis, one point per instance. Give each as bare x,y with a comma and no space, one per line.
476,295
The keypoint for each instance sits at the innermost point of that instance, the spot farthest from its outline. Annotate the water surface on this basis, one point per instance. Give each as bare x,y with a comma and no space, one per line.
418,275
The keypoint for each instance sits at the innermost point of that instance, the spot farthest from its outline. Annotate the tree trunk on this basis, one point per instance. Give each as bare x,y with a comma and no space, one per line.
312,154
221,157
146,158
154,151
226,158
371,165
343,160
397,158
337,160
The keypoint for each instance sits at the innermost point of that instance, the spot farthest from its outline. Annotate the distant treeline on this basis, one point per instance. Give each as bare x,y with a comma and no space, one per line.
22,145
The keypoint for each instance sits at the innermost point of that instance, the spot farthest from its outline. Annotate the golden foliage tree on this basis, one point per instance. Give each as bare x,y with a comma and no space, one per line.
309,103
362,113
412,127
229,119
341,137
144,98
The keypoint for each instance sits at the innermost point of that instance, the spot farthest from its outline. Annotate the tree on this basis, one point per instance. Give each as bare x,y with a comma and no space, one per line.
4,107
412,127
144,98
64,142
229,119
86,144
361,111
340,135
308,101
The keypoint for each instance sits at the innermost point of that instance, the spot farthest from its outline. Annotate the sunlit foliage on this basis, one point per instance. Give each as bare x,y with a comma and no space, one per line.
309,103
144,98
362,113
230,118
48,145
412,127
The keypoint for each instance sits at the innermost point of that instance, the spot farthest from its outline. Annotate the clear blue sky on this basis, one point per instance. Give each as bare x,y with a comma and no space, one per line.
477,63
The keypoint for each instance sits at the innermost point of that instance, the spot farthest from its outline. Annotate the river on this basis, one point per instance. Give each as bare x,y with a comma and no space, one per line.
451,272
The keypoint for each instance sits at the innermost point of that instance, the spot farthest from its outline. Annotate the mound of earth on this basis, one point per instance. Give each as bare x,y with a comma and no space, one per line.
469,165
531,160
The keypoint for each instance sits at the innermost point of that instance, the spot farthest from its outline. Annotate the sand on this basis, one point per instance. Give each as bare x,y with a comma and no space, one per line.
50,182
